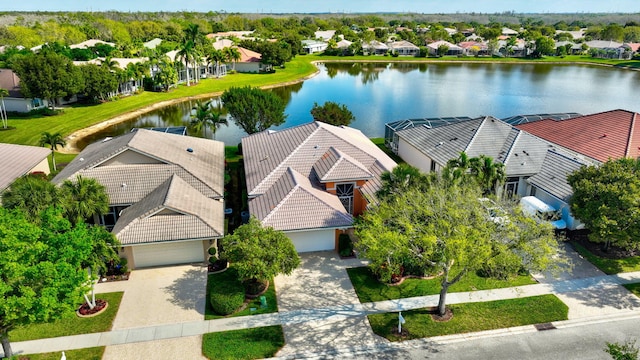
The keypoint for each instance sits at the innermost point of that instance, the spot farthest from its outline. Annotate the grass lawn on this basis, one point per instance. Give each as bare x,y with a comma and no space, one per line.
380,143
634,288
609,266
369,289
229,275
473,317
256,343
94,353
72,325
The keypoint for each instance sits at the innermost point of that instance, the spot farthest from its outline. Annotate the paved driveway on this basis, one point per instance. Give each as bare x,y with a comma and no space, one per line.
159,296
321,282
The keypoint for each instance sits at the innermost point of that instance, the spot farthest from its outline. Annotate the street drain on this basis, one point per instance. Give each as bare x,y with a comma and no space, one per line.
545,326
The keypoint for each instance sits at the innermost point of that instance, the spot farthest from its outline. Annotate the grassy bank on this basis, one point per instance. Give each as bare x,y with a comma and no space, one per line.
607,265
27,131
256,343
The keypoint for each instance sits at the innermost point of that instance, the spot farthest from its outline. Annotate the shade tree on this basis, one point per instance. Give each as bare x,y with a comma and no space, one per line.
253,109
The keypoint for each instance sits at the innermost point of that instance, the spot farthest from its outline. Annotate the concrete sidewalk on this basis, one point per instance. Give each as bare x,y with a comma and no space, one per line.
339,313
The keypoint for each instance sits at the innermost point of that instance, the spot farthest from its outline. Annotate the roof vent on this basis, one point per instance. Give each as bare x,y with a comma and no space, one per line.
189,150
123,185
604,135
440,143
81,159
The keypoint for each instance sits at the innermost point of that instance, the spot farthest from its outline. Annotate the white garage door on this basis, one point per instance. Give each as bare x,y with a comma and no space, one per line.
318,240
168,254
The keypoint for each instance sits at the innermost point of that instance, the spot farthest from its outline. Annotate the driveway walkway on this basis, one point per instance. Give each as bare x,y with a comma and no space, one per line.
154,297
321,282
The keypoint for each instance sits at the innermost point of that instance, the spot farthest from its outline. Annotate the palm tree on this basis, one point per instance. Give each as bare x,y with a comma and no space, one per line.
109,63
186,53
216,56
232,55
201,117
83,198
3,109
31,195
400,179
217,120
489,174
456,169
53,140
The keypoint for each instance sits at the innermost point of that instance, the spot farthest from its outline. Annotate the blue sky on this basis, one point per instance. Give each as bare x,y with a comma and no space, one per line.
306,6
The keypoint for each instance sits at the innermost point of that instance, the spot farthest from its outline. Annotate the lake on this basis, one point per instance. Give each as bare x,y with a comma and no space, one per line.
378,93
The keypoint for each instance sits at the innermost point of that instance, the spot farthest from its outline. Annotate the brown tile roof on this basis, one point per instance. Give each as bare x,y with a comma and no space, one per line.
18,160
247,55
293,203
205,162
610,134
173,211
10,82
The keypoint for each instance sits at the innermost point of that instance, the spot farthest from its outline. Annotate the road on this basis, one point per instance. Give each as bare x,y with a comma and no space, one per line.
578,341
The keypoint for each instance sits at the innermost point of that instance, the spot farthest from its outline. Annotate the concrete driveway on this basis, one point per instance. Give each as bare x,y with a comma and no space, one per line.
321,282
159,296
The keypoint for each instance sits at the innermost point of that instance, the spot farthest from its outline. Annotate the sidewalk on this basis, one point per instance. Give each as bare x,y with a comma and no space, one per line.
187,329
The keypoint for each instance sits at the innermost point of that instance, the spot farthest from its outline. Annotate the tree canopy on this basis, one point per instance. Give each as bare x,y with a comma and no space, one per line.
332,113
31,195
41,273
259,253
252,109
442,229
607,200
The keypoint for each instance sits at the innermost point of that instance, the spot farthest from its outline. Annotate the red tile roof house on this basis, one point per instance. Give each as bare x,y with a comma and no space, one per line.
311,180
165,194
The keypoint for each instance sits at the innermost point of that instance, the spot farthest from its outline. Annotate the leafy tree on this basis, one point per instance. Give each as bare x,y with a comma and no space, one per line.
43,277
626,351
48,75
332,113
53,140
544,46
442,50
98,82
31,195
490,175
252,109
83,198
605,199
259,253
442,229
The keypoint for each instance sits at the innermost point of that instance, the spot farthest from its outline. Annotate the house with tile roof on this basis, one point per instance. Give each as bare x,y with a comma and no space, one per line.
374,47
251,62
453,49
313,46
20,160
404,48
311,180
16,101
166,202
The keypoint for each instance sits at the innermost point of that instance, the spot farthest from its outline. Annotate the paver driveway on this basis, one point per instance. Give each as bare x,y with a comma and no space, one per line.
321,282
158,296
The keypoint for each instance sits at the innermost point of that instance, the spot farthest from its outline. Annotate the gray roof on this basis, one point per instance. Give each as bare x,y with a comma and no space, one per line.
335,165
205,161
293,203
402,44
18,160
552,177
173,211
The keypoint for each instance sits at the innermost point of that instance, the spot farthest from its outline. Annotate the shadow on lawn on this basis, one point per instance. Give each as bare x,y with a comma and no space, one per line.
187,291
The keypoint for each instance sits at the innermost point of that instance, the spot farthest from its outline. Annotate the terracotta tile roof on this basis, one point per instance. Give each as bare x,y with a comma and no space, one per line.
335,165
293,203
173,211
247,55
11,82
18,160
610,134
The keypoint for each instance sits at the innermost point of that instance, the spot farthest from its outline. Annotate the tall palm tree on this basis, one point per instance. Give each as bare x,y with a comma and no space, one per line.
489,174
400,179
83,198
109,63
232,54
53,140
456,169
201,117
216,56
217,120
186,53
32,195
3,109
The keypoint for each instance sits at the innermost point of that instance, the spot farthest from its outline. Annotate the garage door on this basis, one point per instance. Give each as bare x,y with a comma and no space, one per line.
319,240
168,254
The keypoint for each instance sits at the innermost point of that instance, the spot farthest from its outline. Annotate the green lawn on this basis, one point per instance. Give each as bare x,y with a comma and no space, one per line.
609,266
473,317
634,288
230,274
369,289
380,143
72,325
256,343
94,353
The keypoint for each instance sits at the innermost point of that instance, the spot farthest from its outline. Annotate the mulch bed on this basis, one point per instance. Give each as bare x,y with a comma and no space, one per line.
86,311
448,314
596,248
111,278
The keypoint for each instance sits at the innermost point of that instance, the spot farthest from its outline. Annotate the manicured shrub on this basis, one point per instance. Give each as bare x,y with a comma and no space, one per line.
213,251
226,297
345,246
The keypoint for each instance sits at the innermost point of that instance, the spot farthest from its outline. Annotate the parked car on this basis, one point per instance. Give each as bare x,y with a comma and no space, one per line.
494,212
541,211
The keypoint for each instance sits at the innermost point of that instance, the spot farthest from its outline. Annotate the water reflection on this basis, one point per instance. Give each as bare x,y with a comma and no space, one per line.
377,93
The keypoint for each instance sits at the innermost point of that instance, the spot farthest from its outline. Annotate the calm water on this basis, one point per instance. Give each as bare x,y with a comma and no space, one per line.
381,93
